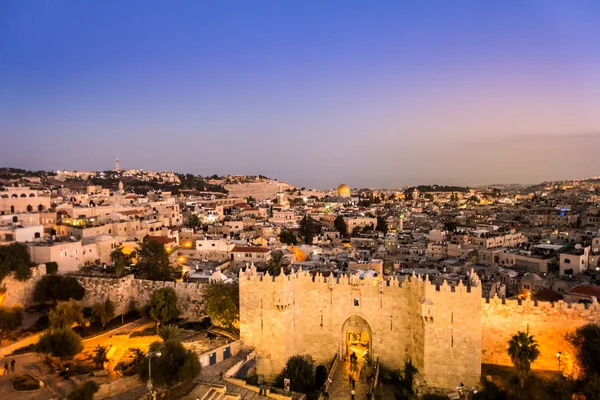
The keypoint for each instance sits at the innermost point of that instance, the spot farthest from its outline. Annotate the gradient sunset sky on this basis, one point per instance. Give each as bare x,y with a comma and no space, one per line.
371,93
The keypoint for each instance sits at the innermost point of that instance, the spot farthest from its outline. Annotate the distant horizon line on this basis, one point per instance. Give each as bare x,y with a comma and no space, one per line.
331,188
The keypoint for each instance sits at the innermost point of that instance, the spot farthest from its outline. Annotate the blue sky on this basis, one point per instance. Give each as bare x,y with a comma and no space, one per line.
375,94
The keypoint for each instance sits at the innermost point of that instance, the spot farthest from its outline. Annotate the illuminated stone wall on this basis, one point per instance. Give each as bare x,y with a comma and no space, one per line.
439,328
128,293
548,322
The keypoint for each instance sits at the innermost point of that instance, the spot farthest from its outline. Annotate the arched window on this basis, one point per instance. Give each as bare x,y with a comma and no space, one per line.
36,235
5,196
31,194
40,207
15,219
12,209
29,208
14,196
23,195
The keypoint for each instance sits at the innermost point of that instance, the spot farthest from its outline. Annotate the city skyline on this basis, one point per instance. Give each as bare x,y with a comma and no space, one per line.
374,95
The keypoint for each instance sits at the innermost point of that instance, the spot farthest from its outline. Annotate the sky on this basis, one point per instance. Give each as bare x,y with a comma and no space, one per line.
370,93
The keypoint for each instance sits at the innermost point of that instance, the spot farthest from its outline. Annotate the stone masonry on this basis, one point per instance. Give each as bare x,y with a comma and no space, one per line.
439,328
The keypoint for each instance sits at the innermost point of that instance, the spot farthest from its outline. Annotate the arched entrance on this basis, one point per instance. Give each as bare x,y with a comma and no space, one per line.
320,376
357,338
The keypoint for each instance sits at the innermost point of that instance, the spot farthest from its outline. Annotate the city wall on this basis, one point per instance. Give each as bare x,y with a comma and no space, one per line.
18,292
128,293
438,328
548,322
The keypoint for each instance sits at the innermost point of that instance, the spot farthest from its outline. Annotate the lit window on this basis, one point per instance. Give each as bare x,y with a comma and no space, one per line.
356,302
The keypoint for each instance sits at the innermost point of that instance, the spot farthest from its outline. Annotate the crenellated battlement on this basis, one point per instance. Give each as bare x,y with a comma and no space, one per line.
545,306
420,283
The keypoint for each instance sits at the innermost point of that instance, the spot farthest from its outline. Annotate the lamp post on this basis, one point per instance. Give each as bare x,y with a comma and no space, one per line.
150,356
558,358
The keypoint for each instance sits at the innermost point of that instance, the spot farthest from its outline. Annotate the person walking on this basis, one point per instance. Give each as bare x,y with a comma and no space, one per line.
12,365
261,389
6,371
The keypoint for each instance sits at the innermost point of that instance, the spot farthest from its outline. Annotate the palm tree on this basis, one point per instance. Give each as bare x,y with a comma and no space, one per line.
275,263
523,350
167,332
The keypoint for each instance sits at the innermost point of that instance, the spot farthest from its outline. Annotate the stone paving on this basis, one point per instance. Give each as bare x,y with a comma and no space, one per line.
340,388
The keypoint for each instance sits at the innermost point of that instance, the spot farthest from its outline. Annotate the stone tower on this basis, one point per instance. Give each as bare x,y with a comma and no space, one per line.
437,327
117,165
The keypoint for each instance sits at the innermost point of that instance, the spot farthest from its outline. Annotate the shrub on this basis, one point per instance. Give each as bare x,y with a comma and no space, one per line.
85,391
26,382
51,267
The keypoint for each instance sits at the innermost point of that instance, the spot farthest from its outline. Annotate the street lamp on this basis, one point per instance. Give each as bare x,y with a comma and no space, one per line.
558,358
150,356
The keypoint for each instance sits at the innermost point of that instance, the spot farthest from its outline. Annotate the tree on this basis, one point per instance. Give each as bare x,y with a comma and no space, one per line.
340,225
193,221
85,391
523,350
300,370
57,287
15,257
275,263
163,305
121,259
381,225
103,313
307,229
288,237
61,343
586,341
222,303
65,314
10,319
100,356
153,262
51,267
175,365
250,200
167,332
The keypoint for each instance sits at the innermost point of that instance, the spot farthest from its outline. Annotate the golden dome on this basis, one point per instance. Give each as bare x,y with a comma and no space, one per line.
343,190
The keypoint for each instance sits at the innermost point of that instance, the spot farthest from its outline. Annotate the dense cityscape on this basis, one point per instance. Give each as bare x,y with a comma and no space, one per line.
528,253
299,200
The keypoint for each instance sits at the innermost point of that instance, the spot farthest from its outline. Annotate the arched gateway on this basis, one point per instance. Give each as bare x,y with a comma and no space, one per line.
357,338
438,328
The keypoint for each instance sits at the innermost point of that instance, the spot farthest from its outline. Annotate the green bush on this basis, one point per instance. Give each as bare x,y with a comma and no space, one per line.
26,382
51,267
22,350
252,380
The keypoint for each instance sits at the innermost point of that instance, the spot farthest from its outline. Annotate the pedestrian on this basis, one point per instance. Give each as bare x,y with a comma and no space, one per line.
352,393
262,388
12,365
6,371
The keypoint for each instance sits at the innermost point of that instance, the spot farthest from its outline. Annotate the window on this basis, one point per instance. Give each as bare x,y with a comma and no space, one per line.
567,261
356,302
36,235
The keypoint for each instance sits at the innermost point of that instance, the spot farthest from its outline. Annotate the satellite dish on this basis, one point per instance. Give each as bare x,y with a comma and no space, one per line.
578,246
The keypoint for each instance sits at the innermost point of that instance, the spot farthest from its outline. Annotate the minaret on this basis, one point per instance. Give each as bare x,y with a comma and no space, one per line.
117,165
121,187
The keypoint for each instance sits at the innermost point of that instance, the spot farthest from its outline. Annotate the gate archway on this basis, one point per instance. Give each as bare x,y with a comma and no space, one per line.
357,338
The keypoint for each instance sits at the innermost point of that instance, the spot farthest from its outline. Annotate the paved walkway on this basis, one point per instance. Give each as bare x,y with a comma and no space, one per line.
340,387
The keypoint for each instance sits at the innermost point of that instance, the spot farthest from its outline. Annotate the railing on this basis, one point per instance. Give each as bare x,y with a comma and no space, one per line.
329,377
375,378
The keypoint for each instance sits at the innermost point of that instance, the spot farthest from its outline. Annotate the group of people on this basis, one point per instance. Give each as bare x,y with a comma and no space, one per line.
6,367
